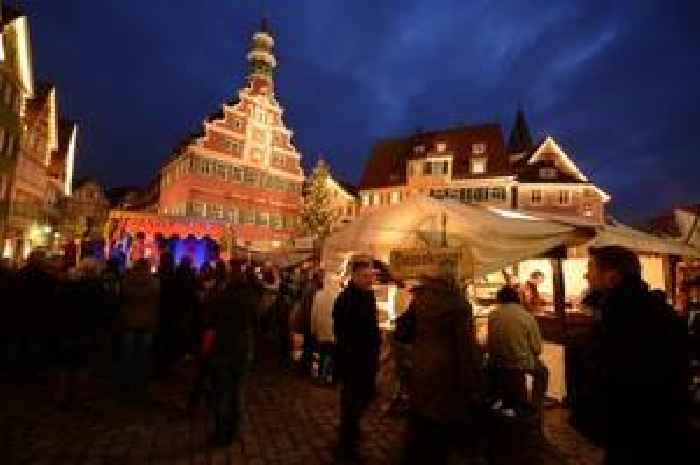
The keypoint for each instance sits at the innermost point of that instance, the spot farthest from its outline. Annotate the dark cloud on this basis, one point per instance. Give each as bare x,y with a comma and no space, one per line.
614,81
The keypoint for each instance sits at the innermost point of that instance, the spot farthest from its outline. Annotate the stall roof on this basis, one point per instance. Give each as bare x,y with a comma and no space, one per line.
493,238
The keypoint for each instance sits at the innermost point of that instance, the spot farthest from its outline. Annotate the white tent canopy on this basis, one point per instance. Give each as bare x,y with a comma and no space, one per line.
493,238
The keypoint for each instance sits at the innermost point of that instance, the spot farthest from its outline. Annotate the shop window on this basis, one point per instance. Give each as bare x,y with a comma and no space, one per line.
498,193
536,197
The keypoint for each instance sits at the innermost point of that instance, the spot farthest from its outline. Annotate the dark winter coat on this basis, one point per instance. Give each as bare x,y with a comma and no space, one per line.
447,380
233,319
356,333
644,367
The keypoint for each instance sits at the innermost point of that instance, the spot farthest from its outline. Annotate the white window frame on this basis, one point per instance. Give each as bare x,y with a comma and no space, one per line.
536,199
565,198
441,147
479,148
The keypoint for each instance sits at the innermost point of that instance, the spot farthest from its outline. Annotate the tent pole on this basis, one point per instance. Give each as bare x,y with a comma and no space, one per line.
557,260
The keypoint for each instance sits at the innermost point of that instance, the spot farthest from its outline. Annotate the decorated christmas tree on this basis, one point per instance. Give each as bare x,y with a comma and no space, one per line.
317,216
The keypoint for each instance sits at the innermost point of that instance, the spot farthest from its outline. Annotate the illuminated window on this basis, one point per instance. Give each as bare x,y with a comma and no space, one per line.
441,146
221,171
587,210
365,199
548,173
498,193
478,149
396,197
536,197
478,165
261,218
564,198
247,216
275,221
419,148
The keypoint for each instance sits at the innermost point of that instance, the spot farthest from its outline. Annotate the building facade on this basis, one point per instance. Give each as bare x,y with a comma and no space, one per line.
473,164
242,173
38,148
86,210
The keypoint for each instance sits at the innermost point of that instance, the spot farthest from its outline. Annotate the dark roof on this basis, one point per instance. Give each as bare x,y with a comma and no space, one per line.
520,139
10,13
347,187
666,224
386,165
78,183
116,195
531,173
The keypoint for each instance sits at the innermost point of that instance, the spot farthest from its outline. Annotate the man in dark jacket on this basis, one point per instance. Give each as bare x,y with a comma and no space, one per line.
357,353
643,361
233,321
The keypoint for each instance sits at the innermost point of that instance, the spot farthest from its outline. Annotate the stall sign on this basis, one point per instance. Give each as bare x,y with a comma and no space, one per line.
416,263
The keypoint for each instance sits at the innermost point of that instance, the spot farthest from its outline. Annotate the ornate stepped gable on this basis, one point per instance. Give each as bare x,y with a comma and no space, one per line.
242,168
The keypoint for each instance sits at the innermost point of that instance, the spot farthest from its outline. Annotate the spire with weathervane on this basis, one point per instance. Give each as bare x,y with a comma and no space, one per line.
520,139
261,60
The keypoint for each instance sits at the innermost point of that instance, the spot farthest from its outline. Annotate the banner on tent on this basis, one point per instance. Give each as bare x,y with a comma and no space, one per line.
416,263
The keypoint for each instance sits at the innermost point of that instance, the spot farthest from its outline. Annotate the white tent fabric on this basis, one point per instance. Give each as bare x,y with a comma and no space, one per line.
492,237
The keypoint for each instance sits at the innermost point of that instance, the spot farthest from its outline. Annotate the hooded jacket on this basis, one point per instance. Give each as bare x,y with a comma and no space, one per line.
447,381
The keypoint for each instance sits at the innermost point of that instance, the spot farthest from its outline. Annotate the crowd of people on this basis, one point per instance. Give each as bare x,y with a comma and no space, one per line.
154,322
218,316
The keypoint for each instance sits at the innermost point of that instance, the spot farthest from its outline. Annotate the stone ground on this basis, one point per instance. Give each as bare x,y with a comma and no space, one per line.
290,421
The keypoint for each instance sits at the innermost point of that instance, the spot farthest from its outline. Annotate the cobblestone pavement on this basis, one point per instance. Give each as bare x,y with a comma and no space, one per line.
290,421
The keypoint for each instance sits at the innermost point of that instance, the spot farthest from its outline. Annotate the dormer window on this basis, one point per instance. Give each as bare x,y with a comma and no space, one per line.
441,146
478,149
548,173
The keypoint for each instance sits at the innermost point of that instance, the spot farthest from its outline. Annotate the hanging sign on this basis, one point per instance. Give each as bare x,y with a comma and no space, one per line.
416,263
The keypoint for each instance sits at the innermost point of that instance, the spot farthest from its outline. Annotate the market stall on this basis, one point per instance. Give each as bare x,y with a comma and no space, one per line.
495,244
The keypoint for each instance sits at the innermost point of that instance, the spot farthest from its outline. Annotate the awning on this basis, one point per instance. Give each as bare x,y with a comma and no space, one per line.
492,237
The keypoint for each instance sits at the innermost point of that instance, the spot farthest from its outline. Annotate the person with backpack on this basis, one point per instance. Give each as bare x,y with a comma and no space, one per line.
643,362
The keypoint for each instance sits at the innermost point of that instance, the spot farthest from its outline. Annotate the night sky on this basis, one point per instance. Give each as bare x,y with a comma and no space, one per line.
617,83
